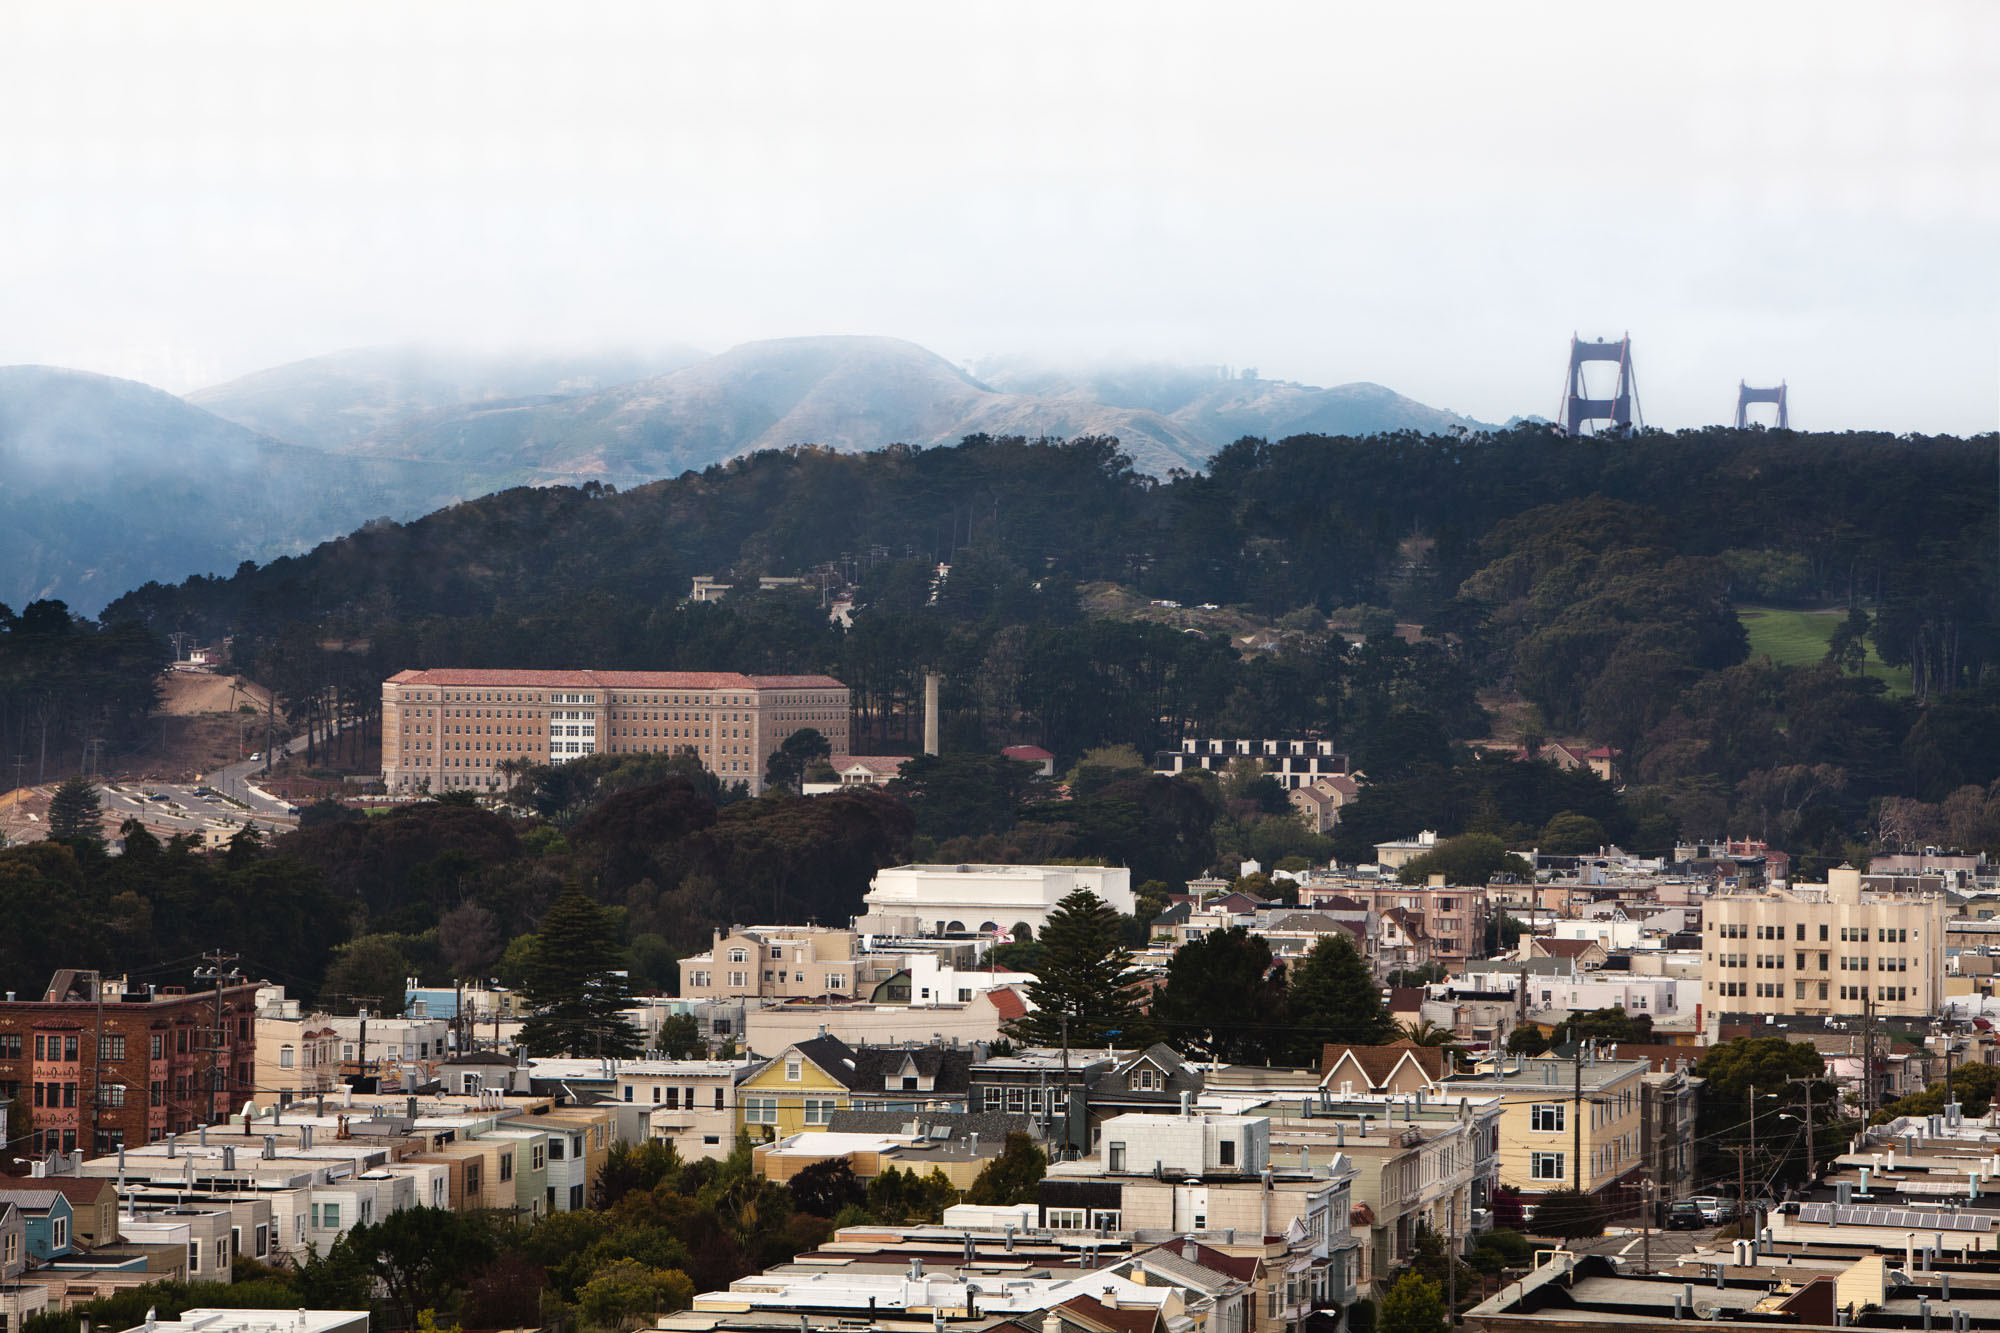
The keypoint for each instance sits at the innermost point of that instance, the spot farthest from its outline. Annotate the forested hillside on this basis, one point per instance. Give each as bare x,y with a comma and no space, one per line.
1597,581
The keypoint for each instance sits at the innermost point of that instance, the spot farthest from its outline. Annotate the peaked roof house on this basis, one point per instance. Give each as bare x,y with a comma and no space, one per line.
799,1088
1584,953
1319,802
912,1077
93,1202
1400,1067
1150,1080
46,1215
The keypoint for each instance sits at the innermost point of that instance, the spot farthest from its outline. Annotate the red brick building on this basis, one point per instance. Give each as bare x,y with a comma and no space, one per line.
126,1069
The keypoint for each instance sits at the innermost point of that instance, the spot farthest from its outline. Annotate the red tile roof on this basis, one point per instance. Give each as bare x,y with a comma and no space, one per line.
504,678
1034,753
1008,1002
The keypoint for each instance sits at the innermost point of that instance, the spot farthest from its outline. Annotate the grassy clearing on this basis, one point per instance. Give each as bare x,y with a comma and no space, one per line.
1799,638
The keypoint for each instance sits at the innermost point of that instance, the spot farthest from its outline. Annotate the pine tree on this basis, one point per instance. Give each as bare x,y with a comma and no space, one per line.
1334,998
570,980
74,812
1085,974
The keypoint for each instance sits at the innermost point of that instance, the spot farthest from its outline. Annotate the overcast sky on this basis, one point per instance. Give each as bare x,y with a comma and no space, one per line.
1428,196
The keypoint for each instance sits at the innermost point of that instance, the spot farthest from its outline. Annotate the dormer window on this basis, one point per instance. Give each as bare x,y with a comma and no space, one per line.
1146,1079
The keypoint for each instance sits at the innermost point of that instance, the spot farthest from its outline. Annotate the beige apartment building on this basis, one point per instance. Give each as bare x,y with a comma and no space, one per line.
772,963
1565,1124
1453,918
464,729
1824,949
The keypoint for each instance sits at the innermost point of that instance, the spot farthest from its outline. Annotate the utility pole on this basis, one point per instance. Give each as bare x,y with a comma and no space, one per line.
1867,1062
219,967
1451,1245
1646,1218
1742,1192
1065,1083
1742,1206
1576,1120
97,1068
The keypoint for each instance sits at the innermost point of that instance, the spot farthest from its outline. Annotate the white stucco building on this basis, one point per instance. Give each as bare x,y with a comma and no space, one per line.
983,899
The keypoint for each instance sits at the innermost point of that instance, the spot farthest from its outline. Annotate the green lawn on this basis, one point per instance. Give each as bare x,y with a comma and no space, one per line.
1799,638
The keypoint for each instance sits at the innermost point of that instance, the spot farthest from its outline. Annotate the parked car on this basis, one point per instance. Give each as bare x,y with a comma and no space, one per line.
1715,1210
1685,1215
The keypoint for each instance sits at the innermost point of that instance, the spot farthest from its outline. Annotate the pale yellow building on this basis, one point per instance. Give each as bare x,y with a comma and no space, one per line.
298,1054
1824,949
454,728
1564,1123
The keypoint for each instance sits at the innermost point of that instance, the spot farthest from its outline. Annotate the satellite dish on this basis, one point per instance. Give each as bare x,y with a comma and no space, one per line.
1706,1309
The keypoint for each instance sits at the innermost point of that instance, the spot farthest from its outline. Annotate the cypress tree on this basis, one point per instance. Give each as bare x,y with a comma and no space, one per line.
1333,997
74,812
570,979
1085,974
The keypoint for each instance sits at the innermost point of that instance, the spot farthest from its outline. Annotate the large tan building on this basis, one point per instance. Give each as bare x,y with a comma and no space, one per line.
453,728
773,963
1824,949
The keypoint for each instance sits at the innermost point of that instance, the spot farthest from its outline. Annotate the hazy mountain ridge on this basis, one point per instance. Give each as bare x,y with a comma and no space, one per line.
1213,404
337,400
108,483
851,393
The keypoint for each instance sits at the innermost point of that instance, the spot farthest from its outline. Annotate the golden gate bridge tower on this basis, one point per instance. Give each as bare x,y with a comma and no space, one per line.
1584,415
1745,395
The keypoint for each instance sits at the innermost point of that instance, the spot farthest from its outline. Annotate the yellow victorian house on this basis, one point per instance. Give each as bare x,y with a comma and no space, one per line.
798,1089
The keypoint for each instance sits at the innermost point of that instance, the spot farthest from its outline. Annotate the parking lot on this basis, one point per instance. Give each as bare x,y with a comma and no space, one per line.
171,808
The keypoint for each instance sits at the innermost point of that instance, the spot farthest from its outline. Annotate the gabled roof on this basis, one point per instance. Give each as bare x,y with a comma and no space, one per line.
832,1057
948,1067
1379,1063
1111,1082
1411,922
1092,1313
888,764
77,1189
41,1199
1555,948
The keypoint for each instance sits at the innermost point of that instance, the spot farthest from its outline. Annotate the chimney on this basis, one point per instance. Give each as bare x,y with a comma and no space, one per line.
305,1136
932,722
1187,1105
